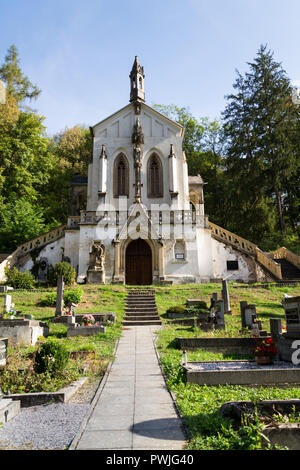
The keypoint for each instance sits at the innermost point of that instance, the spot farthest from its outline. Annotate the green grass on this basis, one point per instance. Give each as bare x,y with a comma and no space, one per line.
199,405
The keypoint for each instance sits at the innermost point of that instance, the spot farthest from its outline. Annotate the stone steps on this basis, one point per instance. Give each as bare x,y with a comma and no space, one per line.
141,309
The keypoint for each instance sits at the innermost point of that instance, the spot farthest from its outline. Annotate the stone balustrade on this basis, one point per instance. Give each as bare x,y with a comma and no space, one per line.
284,253
246,247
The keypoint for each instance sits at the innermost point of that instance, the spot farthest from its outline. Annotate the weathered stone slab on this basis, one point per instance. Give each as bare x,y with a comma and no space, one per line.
85,330
23,332
242,373
223,345
3,350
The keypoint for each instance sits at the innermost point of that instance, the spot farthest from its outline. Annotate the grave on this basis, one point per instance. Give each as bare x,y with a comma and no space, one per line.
280,373
78,330
286,342
242,346
8,408
60,296
225,297
3,350
23,332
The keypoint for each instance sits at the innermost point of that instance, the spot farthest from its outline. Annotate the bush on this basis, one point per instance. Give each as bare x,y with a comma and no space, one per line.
73,296
176,309
19,280
61,269
51,357
49,300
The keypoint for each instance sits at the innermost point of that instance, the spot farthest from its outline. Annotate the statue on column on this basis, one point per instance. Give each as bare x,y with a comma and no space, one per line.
96,269
137,141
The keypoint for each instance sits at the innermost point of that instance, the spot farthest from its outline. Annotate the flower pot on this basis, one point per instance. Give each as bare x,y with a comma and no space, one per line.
264,360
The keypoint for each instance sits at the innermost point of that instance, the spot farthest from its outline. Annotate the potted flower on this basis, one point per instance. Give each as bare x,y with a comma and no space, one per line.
265,351
88,320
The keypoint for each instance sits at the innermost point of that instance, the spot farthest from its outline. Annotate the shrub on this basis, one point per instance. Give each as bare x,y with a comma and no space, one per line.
51,357
19,280
176,309
73,296
49,300
61,269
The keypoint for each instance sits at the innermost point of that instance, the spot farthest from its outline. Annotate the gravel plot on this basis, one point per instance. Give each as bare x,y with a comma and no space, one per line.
47,427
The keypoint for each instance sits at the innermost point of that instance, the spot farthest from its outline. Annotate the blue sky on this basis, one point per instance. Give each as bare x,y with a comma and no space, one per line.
80,53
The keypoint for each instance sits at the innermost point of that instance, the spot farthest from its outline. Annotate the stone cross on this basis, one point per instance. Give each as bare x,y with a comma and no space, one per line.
225,297
60,296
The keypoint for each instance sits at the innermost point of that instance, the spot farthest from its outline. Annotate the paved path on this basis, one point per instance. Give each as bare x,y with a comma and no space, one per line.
134,409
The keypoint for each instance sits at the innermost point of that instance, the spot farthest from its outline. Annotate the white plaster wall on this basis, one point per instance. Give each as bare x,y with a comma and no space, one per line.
72,246
53,252
222,253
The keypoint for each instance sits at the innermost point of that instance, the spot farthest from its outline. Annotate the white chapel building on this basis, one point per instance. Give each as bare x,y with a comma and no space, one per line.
142,219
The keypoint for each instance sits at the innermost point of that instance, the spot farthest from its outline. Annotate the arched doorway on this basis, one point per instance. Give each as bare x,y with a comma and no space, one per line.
138,263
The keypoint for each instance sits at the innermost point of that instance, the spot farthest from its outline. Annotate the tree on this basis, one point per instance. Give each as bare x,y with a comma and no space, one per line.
17,84
260,122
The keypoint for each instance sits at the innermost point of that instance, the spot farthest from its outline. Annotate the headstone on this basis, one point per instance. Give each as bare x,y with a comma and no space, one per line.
250,315
243,305
3,349
60,296
7,303
225,297
220,319
291,307
275,327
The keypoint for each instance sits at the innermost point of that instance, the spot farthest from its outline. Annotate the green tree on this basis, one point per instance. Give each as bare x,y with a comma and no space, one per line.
17,84
260,123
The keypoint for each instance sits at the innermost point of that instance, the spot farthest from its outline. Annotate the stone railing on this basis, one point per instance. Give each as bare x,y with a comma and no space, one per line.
247,247
42,240
284,253
230,238
268,263
25,248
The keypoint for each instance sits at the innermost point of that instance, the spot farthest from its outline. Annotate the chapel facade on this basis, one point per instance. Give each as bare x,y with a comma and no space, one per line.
139,218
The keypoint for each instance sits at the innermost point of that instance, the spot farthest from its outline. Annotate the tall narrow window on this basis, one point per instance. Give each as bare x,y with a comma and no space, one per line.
121,177
155,177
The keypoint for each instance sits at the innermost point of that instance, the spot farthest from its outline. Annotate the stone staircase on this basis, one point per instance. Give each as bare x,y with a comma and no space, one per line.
141,309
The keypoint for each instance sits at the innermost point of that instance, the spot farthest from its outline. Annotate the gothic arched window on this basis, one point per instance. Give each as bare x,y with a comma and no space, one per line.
155,177
121,176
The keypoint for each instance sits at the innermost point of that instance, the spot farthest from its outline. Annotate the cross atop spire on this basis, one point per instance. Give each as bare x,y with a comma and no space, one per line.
137,92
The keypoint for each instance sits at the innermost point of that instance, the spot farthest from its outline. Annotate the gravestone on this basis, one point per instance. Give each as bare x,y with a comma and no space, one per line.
250,315
225,297
60,296
219,316
275,328
3,349
292,318
243,305
7,303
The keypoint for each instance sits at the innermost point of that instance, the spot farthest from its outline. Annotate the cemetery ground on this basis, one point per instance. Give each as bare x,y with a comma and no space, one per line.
199,406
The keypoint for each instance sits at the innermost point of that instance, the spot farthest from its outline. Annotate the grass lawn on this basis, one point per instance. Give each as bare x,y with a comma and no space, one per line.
198,405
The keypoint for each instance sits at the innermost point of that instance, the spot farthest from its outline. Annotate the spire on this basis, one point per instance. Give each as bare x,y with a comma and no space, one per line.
137,93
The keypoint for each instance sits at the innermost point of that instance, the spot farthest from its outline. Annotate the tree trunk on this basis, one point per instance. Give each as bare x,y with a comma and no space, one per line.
280,214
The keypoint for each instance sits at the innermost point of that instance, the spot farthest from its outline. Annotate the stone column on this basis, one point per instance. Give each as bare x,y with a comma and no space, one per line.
60,296
102,171
225,297
243,305
117,260
172,171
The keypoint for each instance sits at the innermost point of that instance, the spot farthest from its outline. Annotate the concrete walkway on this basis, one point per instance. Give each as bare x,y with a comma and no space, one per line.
134,410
